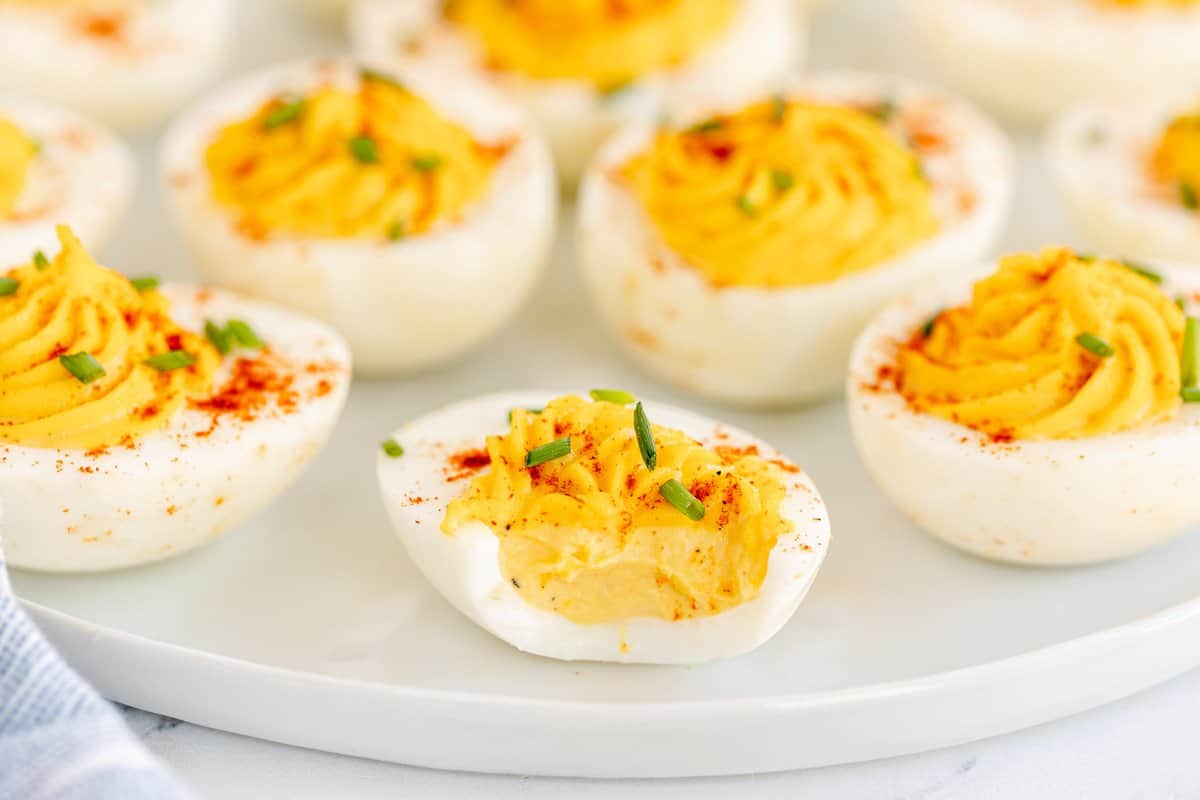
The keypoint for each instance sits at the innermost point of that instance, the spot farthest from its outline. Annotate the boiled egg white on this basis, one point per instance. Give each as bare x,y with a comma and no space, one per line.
762,43
464,566
762,345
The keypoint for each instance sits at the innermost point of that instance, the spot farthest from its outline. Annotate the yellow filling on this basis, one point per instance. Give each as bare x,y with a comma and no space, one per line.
1149,3
784,194
604,42
589,535
377,163
72,305
17,152
1011,363
1176,159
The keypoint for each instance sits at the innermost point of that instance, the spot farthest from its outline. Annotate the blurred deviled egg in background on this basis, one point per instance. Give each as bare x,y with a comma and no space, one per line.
128,63
57,167
581,67
1130,175
598,529
138,421
1045,415
1028,59
738,255
411,211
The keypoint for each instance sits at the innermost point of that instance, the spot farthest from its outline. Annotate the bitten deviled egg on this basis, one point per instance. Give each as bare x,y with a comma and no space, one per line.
1131,177
1030,58
737,255
138,421
128,63
1045,415
56,167
583,67
412,212
600,529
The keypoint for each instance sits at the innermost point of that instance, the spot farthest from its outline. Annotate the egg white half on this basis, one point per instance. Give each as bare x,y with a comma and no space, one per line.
82,177
1030,58
183,485
776,346
402,305
166,51
764,42
464,567
1099,156
1032,502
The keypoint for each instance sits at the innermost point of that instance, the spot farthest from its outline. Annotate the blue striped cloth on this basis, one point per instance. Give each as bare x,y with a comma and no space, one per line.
59,740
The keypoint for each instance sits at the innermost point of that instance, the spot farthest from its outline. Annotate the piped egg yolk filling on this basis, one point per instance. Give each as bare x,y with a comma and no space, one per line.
17,153
605,42
1052,346
784,194
592,537
376,163
74,342
1176,159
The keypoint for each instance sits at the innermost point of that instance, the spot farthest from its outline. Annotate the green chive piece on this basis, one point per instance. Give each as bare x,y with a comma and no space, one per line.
392,448
919,170
746,206
615,88
243,334
1190,394
1187,193
707,126
1086,258
884,110
83,366
1189,362
289,111
174,359
617,396
778,108
426,163
677,495
364,149
8,286
927,328
1142,270
40,261
782,179
1181,301
368,74
548,452
144,284
530,410
645,438
218,336
1094,345
397,230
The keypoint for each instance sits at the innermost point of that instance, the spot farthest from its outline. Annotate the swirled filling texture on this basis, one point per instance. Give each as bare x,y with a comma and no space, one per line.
784,194
589,536
604,42
376,163
73,305
1009,363
17,153
1176,159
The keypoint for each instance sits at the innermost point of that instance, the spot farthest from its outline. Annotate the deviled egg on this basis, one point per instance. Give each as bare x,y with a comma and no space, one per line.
1030,58
412,212
582,68
1130,176
128,63
56,167
138,421
603,530
738,254
1044,415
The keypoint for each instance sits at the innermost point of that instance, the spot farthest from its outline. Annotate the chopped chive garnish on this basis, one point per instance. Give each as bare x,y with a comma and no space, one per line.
530,410
397,230
782,179
778,108
426,163
1187,193
364,150
83,366
645,438
919,170
1144,271
884,109
39,260
1087,258
548,452
243,334
1181,301
8,286
290,111
392,448
218,336
707,126
1094,345
144,284
927,328
677,495
746,206
1189,369
617,396
368,74
615,88
1190,394
174,359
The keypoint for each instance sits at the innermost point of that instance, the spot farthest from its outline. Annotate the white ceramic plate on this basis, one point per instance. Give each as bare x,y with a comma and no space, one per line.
310,625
